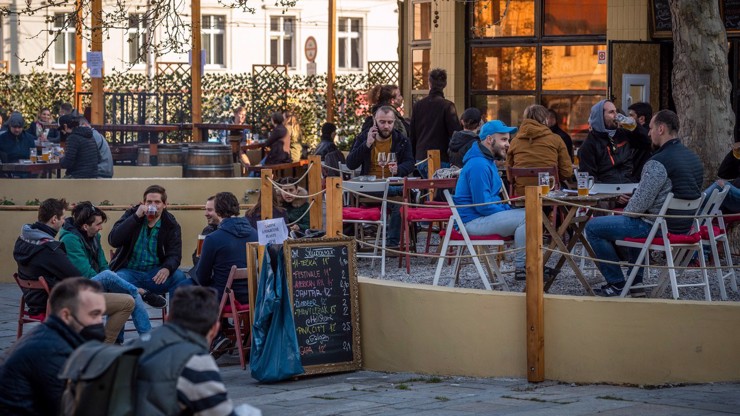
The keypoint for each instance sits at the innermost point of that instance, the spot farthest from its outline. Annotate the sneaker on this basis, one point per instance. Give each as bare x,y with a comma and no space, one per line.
638,292
154,300
610,290
220,345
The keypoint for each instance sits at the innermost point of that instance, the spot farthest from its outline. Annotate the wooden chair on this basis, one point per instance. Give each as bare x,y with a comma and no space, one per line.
230,308
435,213
23,316
513,174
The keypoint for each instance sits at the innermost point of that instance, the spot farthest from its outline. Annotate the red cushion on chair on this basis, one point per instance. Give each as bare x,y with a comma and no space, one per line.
673,238
705,231
239,307
459,237
368,214
41,317
729,219
428,214
442,203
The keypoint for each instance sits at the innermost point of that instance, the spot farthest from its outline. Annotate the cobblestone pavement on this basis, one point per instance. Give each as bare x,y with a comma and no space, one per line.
370,393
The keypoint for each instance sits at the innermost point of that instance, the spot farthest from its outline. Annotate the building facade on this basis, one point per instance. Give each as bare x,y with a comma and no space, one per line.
232,39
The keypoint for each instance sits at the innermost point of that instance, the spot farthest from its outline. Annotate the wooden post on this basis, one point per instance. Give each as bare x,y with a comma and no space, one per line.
253,266
333,206
314,186
266,195
78,56
97,46
332,51
195,71
535,311
433,163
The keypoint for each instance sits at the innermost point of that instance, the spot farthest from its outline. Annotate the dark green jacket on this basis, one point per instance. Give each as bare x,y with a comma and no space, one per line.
85,253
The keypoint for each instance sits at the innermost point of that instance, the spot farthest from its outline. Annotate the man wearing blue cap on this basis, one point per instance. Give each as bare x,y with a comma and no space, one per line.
480,183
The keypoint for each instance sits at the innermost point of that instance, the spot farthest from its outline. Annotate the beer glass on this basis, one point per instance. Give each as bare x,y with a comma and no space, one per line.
198,250
585,182
625,122
546,182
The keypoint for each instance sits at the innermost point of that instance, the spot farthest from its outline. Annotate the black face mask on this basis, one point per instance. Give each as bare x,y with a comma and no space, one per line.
94,332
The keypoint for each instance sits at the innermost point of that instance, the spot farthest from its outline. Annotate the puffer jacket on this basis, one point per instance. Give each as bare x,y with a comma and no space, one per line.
81,154
536,146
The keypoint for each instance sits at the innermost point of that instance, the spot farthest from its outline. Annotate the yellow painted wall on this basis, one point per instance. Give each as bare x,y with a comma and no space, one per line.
443,331
126,171
193,191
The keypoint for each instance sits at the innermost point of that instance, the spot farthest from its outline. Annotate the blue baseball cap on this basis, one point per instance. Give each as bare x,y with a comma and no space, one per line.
495,126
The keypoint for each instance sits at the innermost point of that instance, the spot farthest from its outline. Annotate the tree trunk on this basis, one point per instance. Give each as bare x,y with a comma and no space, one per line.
701,85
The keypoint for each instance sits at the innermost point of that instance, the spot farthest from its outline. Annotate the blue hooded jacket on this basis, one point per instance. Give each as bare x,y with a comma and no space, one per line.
479,182
222,249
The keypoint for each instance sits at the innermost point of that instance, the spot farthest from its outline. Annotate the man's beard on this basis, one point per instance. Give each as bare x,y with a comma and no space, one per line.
384,136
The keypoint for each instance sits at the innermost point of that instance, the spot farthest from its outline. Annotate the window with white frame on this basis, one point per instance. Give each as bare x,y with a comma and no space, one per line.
64,43
282,40
213,29
136,38
349,43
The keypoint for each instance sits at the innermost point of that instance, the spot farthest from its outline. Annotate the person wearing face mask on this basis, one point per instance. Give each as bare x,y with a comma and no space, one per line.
37,253
29,382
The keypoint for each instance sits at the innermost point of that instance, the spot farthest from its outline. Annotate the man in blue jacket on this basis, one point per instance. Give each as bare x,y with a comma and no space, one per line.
480,183
222,249
29,382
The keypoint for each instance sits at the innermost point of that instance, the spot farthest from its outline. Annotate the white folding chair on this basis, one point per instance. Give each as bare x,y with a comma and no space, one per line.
460,238
678,249
711,234
368,215
349,173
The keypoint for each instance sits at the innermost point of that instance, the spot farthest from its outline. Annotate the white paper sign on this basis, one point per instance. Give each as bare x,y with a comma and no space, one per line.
95,64
272,231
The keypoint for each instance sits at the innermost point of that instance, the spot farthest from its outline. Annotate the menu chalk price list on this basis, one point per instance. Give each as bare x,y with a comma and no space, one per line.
323,285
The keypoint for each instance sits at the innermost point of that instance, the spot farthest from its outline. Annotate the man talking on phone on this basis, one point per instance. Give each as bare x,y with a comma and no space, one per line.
382,140
148,243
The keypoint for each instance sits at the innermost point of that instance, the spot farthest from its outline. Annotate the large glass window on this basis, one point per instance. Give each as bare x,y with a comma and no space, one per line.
420,69
212,38
573,67
64,44
575,17
349,43
502,18
503,68
423,21
282,40
136,38
507,108
573,111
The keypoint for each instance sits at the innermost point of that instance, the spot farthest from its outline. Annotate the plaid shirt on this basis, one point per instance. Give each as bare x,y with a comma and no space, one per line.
144,256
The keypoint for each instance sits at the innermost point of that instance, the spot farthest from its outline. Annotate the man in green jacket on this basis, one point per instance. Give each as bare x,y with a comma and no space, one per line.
81,237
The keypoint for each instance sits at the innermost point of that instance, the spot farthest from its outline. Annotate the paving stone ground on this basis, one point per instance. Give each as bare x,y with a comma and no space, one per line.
376,393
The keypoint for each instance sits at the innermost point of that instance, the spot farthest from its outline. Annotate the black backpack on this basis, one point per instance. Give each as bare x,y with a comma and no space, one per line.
100,380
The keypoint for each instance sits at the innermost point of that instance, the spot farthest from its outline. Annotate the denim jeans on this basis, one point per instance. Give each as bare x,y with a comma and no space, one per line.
731,204
602,232
112,283
393,232
504,223
144,280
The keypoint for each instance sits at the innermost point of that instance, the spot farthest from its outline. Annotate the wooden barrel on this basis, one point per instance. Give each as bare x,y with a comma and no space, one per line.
168,154
209,161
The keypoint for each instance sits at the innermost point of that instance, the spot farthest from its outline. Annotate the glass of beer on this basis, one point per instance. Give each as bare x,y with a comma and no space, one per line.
626,122
33,157
546,182
151,212
585,182
199,248
45,154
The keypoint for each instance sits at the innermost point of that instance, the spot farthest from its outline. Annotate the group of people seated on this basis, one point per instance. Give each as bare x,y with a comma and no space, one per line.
144,267
87,153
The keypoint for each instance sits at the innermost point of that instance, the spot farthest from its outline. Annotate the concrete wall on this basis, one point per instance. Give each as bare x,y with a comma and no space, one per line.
120,192
434,330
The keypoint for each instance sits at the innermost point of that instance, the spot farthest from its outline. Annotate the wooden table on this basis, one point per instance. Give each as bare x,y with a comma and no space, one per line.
577,225
43,169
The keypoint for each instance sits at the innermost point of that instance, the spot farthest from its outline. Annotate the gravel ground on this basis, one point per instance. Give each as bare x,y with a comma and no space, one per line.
422,272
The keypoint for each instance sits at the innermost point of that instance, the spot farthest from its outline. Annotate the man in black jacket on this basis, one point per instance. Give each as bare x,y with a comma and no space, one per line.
462,140
608,152
148,243
81,154
433,120
729,172
383,138
29,382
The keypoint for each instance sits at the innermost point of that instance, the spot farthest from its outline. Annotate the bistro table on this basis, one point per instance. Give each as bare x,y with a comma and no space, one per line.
574,223
44,169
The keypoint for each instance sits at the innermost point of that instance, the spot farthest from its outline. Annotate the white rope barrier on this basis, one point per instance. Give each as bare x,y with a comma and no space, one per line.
627,264
435,256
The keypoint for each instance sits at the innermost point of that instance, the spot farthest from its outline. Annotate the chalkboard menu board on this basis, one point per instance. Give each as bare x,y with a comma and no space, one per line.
661,17
731,15
323,285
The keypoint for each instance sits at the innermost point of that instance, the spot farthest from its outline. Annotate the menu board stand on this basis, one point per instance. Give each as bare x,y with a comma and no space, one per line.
322,281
